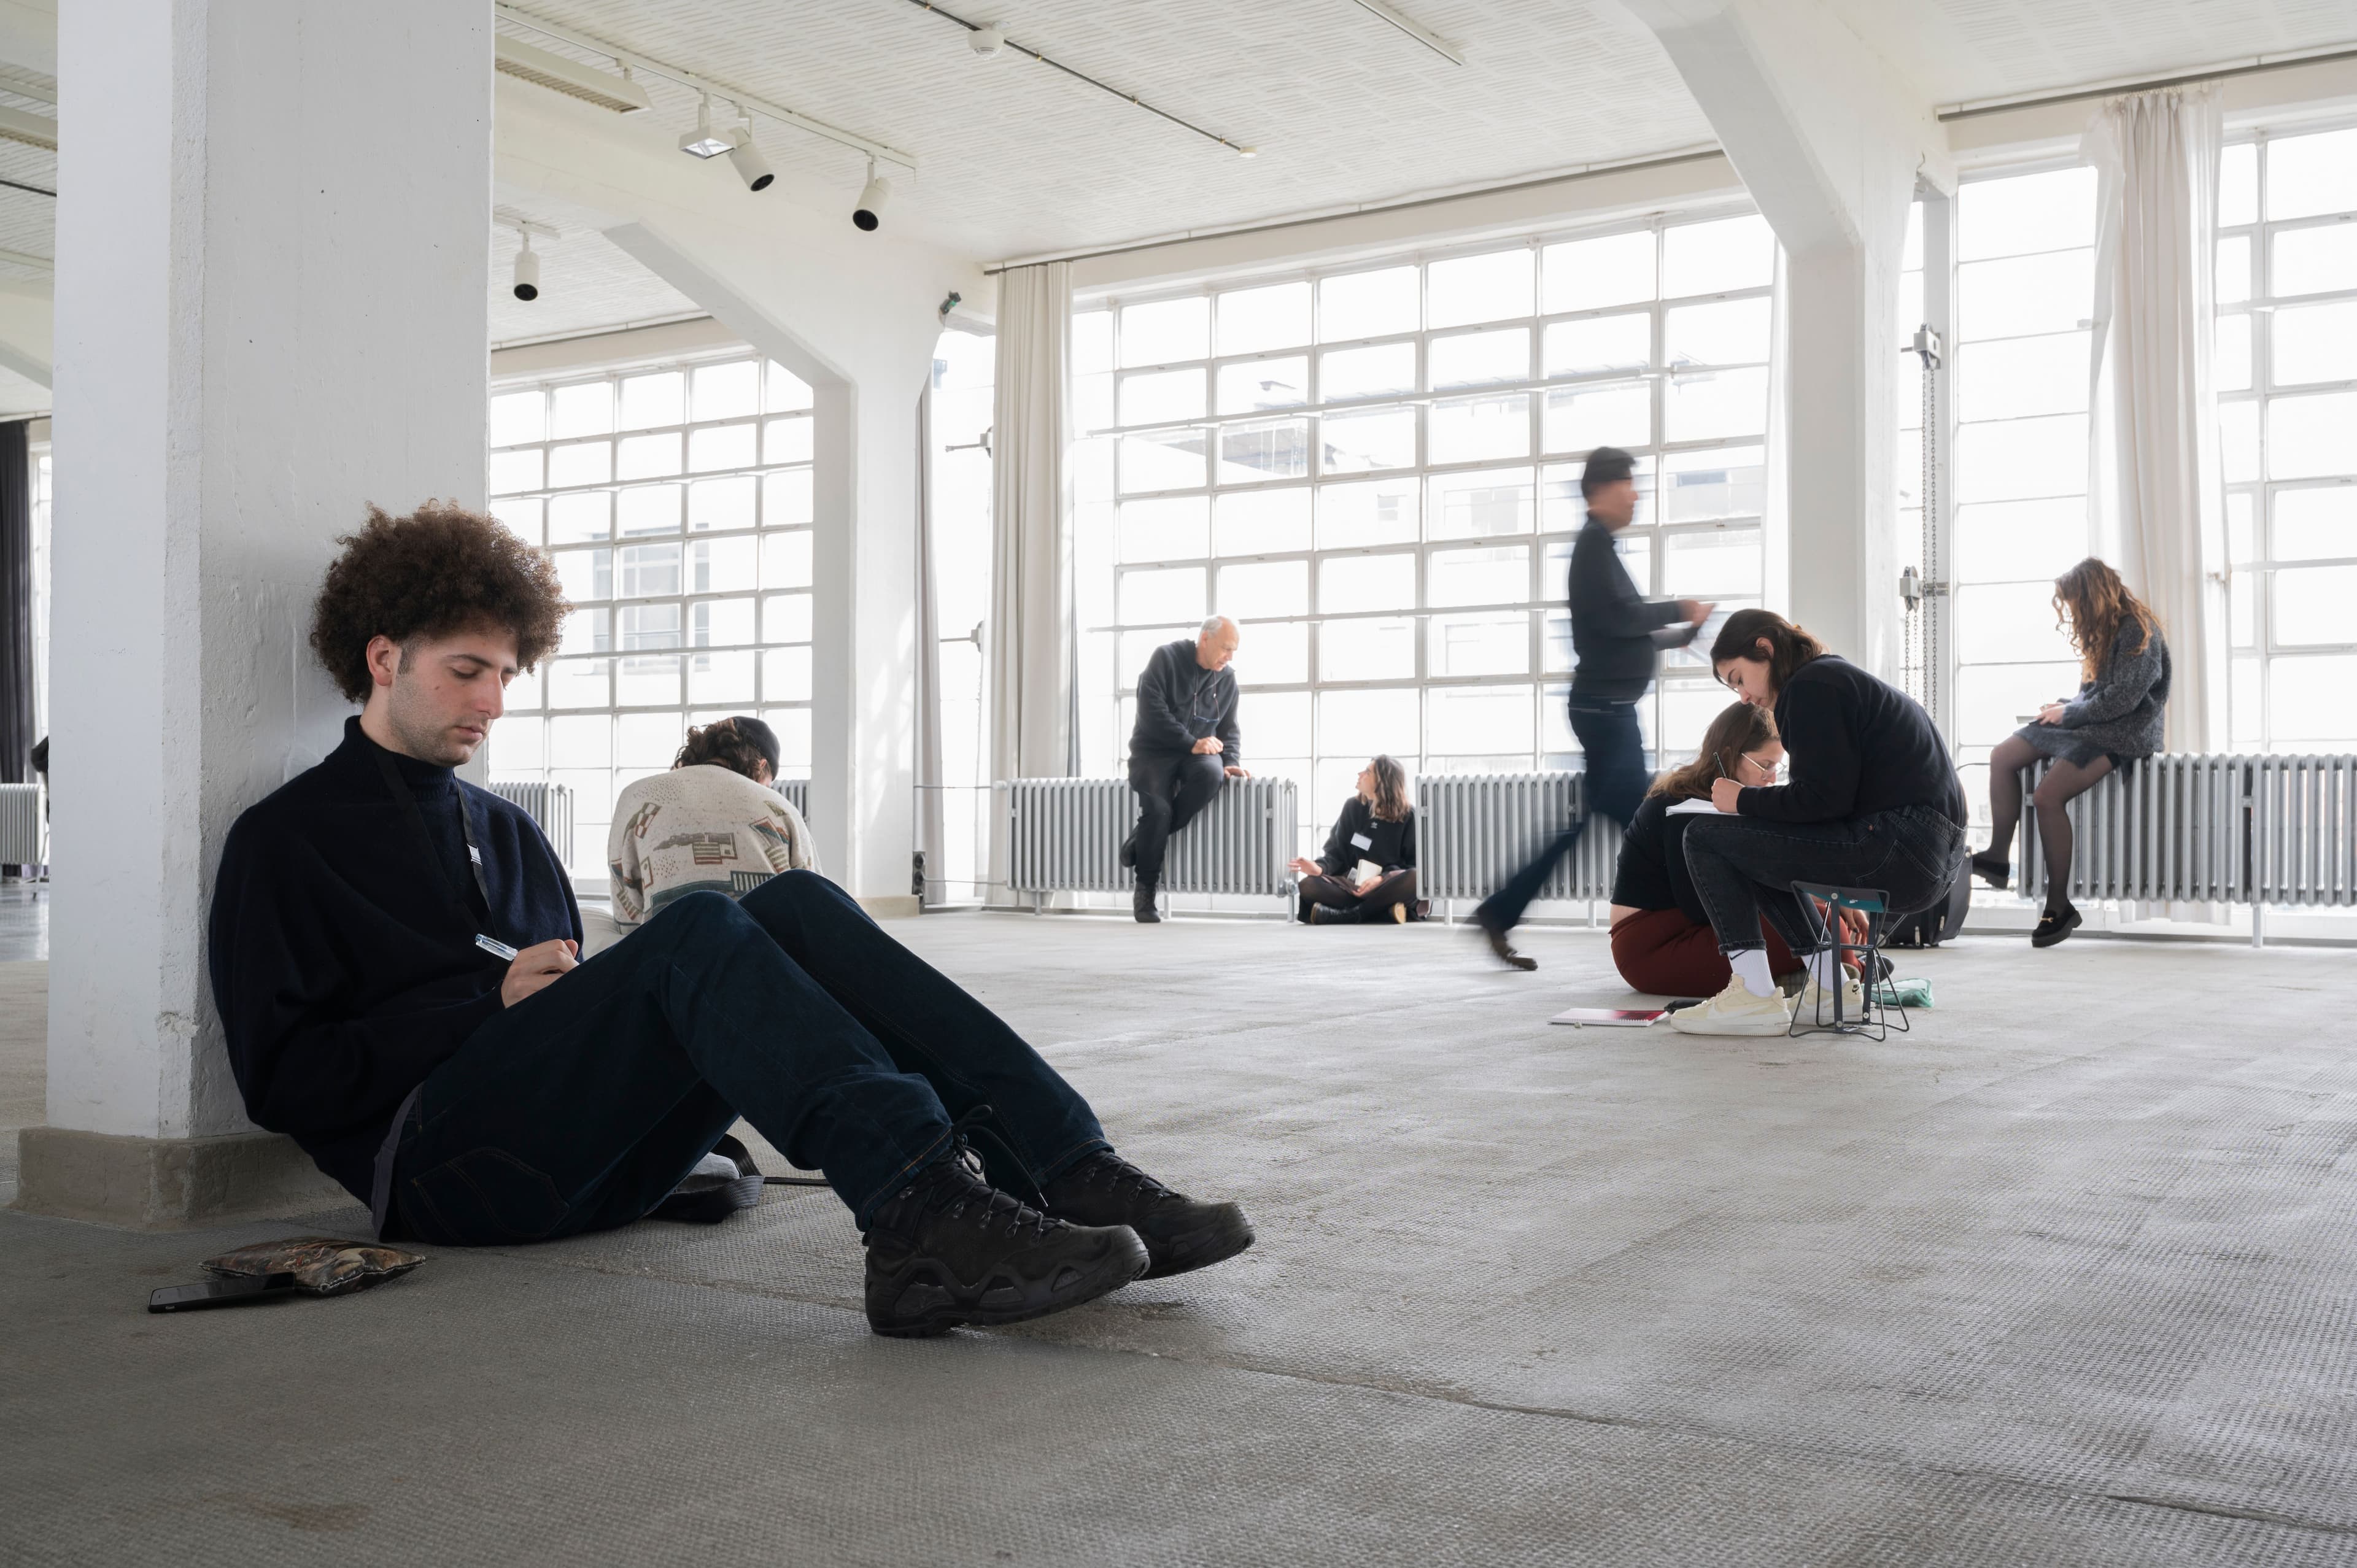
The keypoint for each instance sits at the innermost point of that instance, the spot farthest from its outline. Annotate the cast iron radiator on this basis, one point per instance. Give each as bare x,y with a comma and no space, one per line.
20,824
549,805
1473,831
1064,836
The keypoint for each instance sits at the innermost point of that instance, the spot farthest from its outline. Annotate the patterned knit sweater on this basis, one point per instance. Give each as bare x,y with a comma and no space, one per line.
700,829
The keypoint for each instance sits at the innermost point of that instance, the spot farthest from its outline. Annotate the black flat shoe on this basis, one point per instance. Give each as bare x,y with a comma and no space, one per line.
1995,873
2053,927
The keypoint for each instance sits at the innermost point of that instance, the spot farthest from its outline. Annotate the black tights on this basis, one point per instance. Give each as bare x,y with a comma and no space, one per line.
2064,782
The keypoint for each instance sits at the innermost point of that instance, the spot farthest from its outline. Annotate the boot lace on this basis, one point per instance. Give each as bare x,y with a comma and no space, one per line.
957,1188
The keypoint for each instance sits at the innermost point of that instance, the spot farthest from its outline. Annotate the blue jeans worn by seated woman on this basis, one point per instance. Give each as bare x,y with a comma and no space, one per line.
582,1106
1744,867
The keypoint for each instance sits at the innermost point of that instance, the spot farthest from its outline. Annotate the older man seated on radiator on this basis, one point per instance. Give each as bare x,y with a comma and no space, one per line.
1184,747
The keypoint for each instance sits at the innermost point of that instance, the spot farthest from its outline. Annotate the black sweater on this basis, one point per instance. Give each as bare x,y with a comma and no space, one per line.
1651,873
1391,846
1857,746
1181,702
1617,632
342,956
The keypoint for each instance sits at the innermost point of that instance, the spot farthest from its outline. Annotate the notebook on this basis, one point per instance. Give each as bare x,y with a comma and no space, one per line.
1693,807
1611,1017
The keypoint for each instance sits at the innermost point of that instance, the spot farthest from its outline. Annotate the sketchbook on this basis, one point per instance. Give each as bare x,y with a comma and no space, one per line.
1611,1017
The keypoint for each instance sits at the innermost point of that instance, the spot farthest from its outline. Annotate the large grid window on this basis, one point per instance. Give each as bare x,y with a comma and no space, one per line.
2025,292
676,502
1376,472
2286,377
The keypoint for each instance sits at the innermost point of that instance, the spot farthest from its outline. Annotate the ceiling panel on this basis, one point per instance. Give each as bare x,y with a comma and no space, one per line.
1017,158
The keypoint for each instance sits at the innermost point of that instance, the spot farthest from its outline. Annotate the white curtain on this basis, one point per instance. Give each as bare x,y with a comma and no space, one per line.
1030,646
931,840
2153,473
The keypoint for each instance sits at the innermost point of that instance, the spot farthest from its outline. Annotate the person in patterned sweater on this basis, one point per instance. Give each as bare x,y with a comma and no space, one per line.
711,824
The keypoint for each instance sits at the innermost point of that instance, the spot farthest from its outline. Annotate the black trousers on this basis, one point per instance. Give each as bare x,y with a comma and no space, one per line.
1170,792
1374,905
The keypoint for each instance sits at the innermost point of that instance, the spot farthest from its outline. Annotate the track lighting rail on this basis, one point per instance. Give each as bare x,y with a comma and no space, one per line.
881,151
1132,97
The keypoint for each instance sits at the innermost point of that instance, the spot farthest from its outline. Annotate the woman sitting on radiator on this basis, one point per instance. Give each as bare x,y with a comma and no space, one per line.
2115,719
1367,871
712,823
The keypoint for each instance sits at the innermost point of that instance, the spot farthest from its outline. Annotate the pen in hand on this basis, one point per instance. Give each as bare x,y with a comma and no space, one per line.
496,948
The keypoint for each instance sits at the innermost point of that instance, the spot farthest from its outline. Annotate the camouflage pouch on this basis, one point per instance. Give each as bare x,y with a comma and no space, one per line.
321,1266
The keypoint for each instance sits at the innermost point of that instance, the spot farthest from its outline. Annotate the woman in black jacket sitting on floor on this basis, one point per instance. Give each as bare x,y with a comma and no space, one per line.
2115,720
1376,827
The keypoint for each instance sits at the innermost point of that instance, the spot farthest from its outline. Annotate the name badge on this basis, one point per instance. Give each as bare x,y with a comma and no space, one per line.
1360,840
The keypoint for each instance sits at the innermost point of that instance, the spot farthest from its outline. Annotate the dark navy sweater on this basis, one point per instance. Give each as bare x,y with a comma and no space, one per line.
341,945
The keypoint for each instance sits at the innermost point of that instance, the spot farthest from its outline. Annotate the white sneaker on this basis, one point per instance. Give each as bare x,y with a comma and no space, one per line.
1817,1007
1735,1011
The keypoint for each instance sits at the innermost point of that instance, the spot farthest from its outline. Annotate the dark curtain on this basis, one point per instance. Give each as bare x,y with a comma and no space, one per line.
16,734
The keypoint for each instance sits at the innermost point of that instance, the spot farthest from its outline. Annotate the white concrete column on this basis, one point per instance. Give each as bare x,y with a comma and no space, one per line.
271,310
1830,140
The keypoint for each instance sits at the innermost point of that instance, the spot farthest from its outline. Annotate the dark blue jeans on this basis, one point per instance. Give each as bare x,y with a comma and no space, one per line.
1744,867
1616,783
582,1106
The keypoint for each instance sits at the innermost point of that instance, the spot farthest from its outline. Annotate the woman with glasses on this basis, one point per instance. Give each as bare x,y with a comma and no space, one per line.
1662,940
1871,800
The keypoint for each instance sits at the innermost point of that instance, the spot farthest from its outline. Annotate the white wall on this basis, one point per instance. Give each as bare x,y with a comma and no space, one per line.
855,315
271,310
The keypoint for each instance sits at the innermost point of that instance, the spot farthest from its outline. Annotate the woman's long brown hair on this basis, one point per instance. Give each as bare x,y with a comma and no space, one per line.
1740,727
1391,789
2093,604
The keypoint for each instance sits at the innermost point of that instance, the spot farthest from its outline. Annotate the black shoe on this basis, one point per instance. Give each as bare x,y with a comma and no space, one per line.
1995,873
1502,948
1327,915
1179,1233
1129,853
2052,927
1141,904
949,1248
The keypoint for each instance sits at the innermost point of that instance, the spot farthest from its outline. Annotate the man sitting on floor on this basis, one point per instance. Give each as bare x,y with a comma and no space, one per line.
476,1100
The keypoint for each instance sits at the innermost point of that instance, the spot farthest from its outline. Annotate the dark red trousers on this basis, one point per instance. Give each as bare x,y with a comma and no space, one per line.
1662,952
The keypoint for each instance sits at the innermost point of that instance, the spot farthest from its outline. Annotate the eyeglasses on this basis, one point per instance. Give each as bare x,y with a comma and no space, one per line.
1767,769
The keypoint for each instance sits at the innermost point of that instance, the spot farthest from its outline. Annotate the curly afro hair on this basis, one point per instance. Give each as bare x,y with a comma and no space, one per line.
439,571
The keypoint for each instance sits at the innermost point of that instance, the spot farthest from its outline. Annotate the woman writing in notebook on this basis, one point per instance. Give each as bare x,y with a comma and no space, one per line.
1870,801
2115,720
1662,940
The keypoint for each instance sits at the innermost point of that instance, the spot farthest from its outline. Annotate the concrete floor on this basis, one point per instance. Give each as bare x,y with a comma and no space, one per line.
2067,1275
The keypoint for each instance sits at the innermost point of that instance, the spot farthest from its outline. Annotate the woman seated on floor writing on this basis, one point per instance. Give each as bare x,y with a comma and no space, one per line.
1662,940
2114,720
1367,870
1872,799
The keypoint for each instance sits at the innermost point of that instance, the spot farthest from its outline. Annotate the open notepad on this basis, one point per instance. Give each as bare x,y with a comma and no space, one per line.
1693,807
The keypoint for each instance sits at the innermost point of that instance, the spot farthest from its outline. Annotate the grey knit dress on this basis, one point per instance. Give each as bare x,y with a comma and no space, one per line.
2119,713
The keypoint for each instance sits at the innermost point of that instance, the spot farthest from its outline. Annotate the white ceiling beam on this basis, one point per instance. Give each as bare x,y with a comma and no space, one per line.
881,151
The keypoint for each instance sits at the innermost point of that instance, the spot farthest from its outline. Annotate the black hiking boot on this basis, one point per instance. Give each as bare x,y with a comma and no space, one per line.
949,1248
1141,904
1179,1233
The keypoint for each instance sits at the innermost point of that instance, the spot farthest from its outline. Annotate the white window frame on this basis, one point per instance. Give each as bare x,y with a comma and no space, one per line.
2252,568
772,694
1556,522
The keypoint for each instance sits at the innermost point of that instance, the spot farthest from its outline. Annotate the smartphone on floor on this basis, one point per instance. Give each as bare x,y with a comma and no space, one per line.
229,1292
